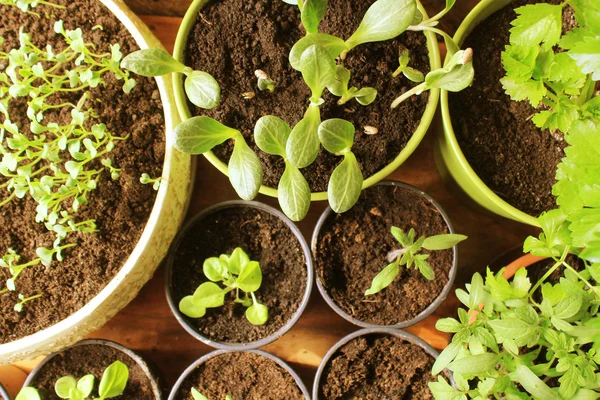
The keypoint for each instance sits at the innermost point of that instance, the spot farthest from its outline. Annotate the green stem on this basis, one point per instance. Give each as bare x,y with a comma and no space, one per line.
549,272
592,287
416,90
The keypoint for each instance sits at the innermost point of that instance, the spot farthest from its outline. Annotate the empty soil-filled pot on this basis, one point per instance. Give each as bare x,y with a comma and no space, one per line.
247,375
268,238
351,249
94,356
375,364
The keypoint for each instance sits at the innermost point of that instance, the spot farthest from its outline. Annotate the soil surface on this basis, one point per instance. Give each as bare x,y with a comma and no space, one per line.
536,271
233,38
376,367
93,359
241,375
121,208
266,239
353,247
507,151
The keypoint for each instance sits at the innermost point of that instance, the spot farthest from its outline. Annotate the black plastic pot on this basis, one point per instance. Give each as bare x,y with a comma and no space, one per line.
182,319
427,311
148,370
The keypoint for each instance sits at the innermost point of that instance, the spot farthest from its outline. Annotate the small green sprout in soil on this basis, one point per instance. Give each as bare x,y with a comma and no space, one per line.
199,396
264,81
410,256
113,384
409,72
237,273
146,180
27,5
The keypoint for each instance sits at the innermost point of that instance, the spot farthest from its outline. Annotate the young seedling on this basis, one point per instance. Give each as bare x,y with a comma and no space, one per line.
271,135
264,81
409,72
200,87
113,384
27,5
410,255
345,184
146,180
339,87
237,273
199,396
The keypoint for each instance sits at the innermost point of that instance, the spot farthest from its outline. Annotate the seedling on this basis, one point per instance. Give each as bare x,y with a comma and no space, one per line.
200,87
264,81
27,5
113,384
146,180
410,255
409,72
235,272
339,87
199,396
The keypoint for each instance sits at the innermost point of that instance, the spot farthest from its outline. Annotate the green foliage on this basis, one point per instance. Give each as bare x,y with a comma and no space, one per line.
199,396
27,5
410,256
339,87
410,73
237,273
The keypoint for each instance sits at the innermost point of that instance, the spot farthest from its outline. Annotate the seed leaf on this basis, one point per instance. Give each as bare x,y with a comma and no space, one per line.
454,77
203,90
312,14
366,96
151,62
196,394
345,184
63,386
336,135
209,295
332,44
114,380
199,135
271,135
318,70
442,242
86,384
245,170
294,193
257,314
302,147
383,279
28,393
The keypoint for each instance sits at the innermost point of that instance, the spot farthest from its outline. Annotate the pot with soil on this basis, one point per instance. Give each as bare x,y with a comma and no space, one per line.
393,224
248,375
377,363
239,275
81,232
113,368
490,145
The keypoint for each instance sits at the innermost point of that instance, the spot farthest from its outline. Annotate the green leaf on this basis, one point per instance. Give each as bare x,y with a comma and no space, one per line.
332,44
245,170
383,279
457,75
587,56
203,90
151,62
196,394
384,20
520,61
302,147
442,242
345,184
336,135
86,385
339,86
209,295
318,70
424,266
537,23
513,329
293,193
257,314
560,324
583,394
448,325
531,90
237,260
413,75
63,386
28,393
445,357
188,307
532,384
199,135
570,383
474,364
271,135
312,14
366,96
441,390
114,380
568,307
250,278
400,236
215,269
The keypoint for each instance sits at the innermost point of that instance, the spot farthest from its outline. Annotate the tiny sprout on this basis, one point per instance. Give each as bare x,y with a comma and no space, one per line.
409,255
235,272
22,300
264,81
410,73
199,396
145,180
248,95
371,130
339,87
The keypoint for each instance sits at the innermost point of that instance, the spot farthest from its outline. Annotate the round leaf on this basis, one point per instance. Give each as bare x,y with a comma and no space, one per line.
200,134
303,146
238,260
271,135
366,96
293,193
455,76
28,393
86,385
63,386
332,44
318,70
114,380
151,62
215,269
345,184
250,278
203,90
245,170
383,279
336,135
209,295
188,307
257,314
443,242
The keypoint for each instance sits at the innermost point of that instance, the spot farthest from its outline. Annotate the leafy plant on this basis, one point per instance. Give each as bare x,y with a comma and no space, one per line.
410,255
146,180
113,384
409,72
237,273
339,87
27,5
199,396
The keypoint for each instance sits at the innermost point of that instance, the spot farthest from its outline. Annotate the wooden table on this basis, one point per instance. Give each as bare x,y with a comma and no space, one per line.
147,324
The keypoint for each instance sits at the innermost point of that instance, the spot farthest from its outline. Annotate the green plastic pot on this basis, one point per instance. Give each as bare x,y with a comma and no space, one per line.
182,104
450,158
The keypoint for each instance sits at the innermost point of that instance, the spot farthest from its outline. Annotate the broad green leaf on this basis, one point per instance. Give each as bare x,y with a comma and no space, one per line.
537,23
188,307
445,357
514,329
570,383
245,170
448,325
384,20
520,61
442,390
312,14
584,394
302,147
413,75
345,184
86,385
199,135
29,393
203,90
271,135
568,307
250,278
293,193
332,44
318,70
209,295
336,135
587,56
75,394
339,86
196,394
474,364
114,380
151,62
383,279
532,384
443,242
531,90
63,386
457,75
257,314
561,324
238,259
366,96
215,269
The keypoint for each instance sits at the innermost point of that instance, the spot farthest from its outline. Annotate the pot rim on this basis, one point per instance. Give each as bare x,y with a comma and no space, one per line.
409,337
431,307
296,315
109,343
4,393
216,353
477,15
416,138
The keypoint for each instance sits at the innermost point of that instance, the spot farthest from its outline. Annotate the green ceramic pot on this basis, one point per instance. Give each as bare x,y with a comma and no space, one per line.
450,158
182,104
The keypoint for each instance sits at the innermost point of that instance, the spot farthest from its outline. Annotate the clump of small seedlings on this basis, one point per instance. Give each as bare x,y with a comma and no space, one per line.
236,272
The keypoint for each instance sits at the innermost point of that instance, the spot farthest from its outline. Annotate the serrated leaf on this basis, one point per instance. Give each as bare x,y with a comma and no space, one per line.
587,56
537,23
531,90
568,307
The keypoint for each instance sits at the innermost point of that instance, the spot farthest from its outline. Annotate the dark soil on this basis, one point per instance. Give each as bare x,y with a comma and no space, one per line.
92,359
352,249
234,38
245,376
536,271
509,153
266,239
121,208
377,367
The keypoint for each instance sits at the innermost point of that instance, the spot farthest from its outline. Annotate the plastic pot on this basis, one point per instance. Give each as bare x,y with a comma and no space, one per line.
217,353
183,320
167,214
363,332
3,394
182,104
150,373
427,311
450,158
